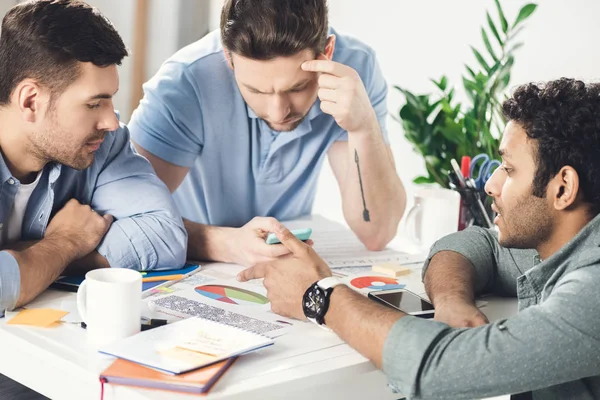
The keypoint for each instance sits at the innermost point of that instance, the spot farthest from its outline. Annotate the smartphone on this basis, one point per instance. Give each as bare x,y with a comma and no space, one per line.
301,234
405,301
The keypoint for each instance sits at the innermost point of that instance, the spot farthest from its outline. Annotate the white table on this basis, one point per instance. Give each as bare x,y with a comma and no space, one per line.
59,364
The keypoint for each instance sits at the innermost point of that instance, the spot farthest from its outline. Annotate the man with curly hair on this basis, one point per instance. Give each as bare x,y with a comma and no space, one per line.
547,195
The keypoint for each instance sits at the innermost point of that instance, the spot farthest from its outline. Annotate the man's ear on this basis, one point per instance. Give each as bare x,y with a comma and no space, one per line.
228,57
329,47
28,97
564,188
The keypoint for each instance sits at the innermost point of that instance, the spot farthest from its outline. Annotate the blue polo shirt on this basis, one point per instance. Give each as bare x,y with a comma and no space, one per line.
193,115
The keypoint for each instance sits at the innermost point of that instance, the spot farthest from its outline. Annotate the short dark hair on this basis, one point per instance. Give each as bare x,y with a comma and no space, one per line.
266,29
44,40
563,116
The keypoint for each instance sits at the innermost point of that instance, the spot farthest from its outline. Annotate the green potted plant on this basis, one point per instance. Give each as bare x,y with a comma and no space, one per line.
440,128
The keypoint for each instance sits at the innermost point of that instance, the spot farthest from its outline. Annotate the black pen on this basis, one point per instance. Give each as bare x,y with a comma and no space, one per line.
484,215
151,324
64,286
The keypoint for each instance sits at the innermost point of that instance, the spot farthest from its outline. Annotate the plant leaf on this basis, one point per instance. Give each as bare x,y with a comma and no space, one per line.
515,47
480,59
494,29
514,33
410,98
503,21
495,68
470,88
451,95
504,82
420,180
525,13
488,45
452,131
442,84
471,72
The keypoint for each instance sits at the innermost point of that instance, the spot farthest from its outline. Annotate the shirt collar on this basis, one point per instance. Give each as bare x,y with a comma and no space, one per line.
6,175
576,253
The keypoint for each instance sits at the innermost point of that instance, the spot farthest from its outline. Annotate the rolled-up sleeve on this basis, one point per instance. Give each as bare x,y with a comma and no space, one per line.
496,267
10,282
542,346
148,232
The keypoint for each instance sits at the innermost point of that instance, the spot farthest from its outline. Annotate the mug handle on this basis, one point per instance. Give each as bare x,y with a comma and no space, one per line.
411,223
81,300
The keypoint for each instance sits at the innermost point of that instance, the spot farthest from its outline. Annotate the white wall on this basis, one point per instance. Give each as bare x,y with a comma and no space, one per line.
418,40
171,25
5,5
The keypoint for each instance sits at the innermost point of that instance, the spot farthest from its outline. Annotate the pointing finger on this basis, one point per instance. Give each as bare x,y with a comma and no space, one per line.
256,272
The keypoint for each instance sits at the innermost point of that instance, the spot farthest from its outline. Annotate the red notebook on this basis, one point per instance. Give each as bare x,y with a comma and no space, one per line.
200,381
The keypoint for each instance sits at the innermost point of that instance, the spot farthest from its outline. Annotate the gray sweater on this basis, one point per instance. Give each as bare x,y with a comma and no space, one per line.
551,347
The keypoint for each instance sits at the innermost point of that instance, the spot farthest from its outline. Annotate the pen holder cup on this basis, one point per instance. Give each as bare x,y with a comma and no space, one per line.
475,212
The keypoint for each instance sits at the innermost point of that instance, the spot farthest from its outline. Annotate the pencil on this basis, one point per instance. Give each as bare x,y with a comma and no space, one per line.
163,278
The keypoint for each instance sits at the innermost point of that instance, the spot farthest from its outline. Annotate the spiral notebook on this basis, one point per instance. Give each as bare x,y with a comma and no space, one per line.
186,345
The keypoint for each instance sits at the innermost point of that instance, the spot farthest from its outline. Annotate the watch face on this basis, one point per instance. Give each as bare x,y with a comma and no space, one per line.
313,301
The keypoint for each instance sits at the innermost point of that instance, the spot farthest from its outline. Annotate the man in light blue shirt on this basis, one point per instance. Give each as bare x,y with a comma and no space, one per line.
239,123
73,194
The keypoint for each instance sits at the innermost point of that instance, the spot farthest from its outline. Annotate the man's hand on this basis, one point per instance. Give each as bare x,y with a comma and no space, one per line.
247,245
343,95
287,279
459,314
79,226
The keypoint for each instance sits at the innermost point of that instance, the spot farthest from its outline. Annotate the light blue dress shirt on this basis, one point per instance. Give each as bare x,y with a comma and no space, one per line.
194,116
147,232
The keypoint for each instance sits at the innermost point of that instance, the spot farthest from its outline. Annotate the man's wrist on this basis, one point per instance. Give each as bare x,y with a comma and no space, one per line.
370,129
65,247
206,242
218,244
335,299
441,299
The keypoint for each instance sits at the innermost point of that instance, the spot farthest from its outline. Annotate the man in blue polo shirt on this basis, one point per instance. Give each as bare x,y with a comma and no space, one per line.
238,124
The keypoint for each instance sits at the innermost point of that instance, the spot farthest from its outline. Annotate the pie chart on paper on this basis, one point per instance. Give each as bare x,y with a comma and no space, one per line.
232,295
376,283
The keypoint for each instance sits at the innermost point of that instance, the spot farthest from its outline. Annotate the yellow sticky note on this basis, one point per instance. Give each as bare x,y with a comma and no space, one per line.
391,269
43,317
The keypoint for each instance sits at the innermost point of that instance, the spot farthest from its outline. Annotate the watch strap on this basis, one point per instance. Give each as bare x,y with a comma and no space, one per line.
329,282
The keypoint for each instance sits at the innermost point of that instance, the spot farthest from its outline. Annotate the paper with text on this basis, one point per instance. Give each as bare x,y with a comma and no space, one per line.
341,248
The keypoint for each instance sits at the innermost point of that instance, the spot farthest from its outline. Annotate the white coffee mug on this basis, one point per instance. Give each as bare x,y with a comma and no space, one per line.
433,216
109,302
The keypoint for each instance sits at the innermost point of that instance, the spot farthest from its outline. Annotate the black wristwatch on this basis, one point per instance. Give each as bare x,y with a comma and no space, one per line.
315,301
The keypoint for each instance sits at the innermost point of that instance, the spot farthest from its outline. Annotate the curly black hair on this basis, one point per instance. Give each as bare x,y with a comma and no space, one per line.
563,116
